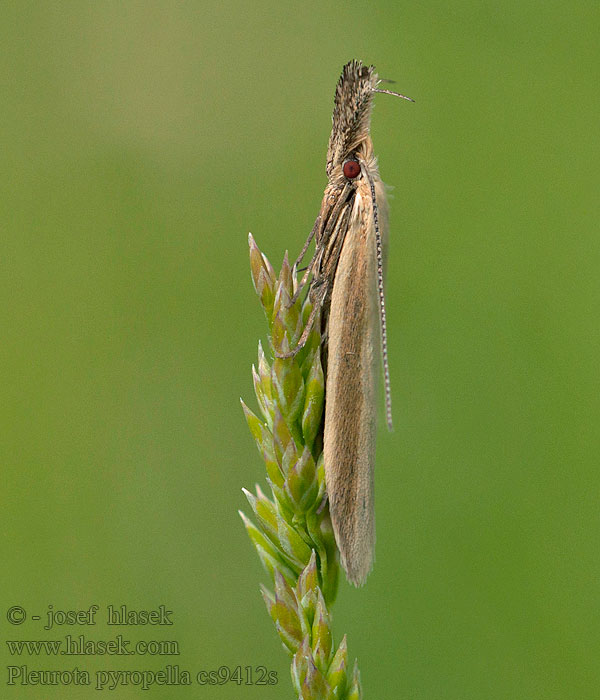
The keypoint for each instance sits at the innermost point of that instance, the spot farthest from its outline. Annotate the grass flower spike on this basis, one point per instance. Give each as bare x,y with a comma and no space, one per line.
291,529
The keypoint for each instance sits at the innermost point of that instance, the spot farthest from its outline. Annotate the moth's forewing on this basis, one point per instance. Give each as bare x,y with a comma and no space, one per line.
346,284
350,415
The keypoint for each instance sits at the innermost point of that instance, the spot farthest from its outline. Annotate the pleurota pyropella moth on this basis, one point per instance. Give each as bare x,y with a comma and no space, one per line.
347,286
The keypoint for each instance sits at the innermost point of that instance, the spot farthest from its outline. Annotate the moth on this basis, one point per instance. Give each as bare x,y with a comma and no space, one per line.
347,287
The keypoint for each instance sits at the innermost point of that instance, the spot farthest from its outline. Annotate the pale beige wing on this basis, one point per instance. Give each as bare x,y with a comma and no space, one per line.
354,341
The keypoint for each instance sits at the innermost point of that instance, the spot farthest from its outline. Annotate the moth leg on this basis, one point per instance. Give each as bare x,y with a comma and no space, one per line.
327,219
327,251
318,292
338,201
311,235
305,277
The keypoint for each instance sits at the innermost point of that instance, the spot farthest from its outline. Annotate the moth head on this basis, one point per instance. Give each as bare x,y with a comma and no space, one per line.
351,118
350,140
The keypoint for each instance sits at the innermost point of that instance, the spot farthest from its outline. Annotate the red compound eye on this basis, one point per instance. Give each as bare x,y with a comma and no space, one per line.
351,169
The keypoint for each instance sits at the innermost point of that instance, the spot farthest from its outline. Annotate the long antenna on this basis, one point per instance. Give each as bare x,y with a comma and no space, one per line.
384,350
395,94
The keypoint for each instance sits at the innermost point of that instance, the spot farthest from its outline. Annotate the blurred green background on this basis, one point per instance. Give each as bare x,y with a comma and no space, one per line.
140,144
